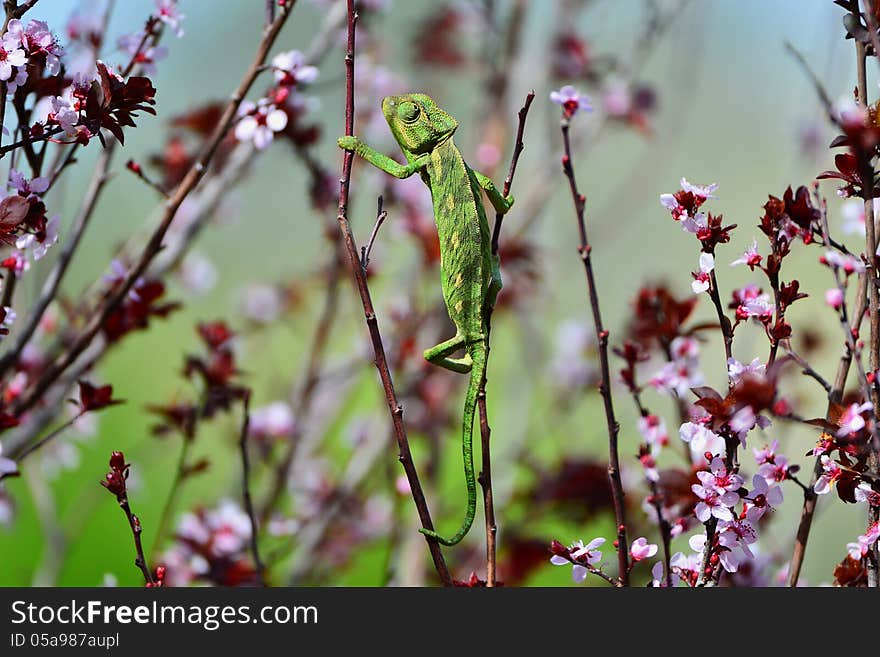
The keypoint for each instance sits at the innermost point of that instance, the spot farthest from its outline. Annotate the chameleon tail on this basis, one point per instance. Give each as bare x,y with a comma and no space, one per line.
478,370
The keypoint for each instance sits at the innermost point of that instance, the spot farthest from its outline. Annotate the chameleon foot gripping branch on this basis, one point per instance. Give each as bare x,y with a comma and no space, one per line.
469,272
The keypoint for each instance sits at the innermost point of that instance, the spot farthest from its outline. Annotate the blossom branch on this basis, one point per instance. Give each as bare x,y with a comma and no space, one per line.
154,244
585,251
808,509
868,173
381,363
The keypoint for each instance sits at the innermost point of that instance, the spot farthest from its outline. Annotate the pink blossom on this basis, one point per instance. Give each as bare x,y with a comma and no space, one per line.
831,472
701,438
777,470
64,115
11,55
713,503
864,493
682,373
736,370
743,421
169,14
687,567
27,187
401,485
653,430
767,453
571,100
852,421
649,464
752,303
17,262
273,421
848,263
719,478
291,69
38,247
763,497
38,38
197,273
259,122
701,191
864,542
658,576
261,303
834,297
641,549
581,557
694,224
737,533
146,57
702,279
750,257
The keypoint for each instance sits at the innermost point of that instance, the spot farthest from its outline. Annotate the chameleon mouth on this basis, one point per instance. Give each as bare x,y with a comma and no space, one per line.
389,103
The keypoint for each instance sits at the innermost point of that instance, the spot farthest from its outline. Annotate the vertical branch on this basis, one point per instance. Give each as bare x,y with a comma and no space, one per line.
246,485
136,530
485,477
585,251
381,362
867,175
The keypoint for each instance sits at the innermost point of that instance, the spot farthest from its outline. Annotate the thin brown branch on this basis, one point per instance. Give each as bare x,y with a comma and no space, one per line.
723,320
246,486
485,477
154,245
381,215
585,251
45,440
381,362
136,530
867,174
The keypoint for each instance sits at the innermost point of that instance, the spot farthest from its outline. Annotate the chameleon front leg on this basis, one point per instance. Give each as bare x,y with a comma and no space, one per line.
500,203
439,355
380,160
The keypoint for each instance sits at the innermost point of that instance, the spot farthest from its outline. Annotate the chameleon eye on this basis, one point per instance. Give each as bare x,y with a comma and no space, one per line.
409,112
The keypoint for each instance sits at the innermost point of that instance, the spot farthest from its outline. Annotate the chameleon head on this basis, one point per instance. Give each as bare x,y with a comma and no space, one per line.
417,123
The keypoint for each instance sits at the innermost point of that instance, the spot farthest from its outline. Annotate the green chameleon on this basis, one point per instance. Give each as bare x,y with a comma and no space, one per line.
469,272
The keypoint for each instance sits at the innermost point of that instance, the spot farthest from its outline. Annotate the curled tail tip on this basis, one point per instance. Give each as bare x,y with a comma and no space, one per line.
448,542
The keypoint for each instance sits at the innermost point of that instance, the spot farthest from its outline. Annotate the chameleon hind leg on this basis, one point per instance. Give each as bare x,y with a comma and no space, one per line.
439,355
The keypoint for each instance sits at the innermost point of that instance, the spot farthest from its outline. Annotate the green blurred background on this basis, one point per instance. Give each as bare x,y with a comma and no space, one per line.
733,107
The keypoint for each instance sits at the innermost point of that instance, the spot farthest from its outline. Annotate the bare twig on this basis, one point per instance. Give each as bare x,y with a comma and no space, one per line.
381,214
45,440
381,363
246,486
136,531
585,251
485,477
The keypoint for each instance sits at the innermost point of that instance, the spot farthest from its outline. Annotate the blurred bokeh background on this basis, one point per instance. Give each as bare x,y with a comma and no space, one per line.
709,93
